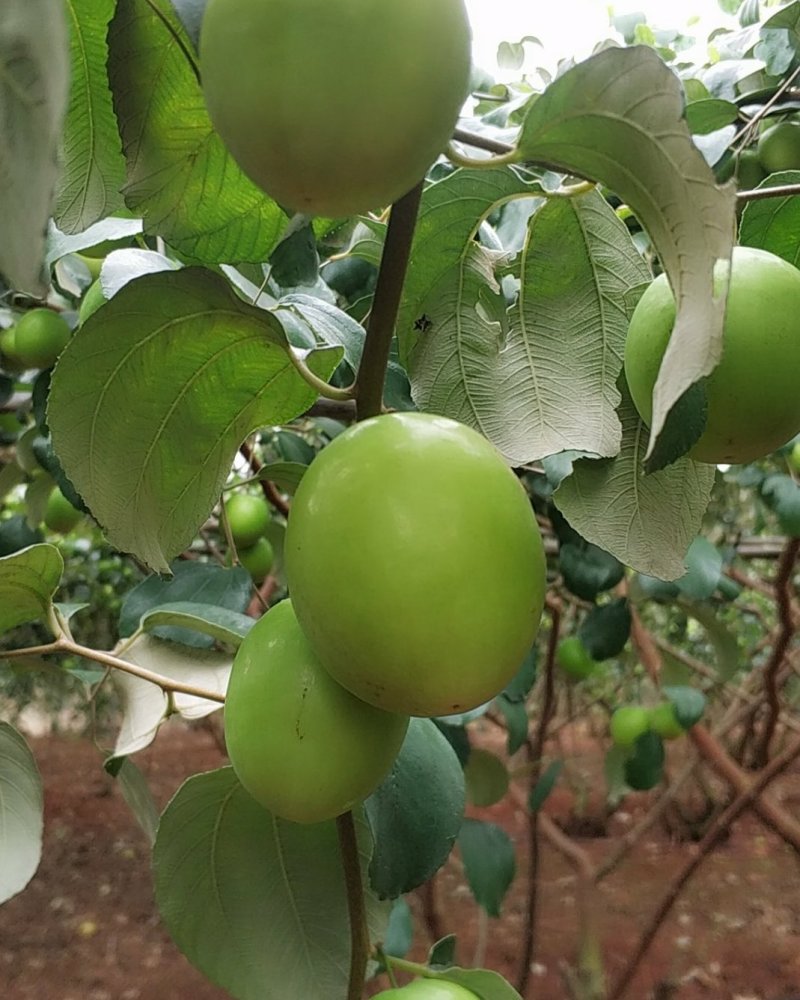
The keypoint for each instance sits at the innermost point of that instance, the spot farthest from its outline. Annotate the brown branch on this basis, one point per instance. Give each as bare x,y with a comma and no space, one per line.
783,589
645,646
714,833
356,907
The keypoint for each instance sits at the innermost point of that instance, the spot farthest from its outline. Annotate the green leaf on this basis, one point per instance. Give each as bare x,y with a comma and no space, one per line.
618,118
137,412
782,494
21,813
442,953
285,475
645,765
516,719
93,168
690,704
145,705
414,830
181,179
486,778
191,582
489,863
400,931
774,223
606,629
34,81
545,785
724,640
648,521
709,115
588,570
28,580
484,983
538,378
256,903
703,570
16,535
216,623
137,794
11,475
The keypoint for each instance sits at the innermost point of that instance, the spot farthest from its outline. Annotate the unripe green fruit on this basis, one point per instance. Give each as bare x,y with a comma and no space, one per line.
248,518
10,359
779,147
664,721
749,170
335,108
753,400
41,335
794,458
628,724
574,658
427,989
300,744
415,564
59,514
257,559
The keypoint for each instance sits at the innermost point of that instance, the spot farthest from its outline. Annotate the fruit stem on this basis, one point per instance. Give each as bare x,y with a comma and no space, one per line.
359,935
316,383
380,330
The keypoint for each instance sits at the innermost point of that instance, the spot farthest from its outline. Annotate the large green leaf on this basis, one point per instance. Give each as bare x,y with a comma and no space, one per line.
154,394
489,863
93,169
20,813
541,377
416,813
646,521
34,81
28,580
256,903
619,118
774,223
181,178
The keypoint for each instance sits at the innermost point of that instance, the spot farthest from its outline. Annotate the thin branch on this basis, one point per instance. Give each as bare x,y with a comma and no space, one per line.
759,194
383,316
359,936
714,833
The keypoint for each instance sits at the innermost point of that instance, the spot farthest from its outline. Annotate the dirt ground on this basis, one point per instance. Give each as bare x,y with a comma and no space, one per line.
86,927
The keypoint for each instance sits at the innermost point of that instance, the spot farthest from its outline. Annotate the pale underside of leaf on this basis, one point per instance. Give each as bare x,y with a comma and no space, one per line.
538,378
255,902
154,394
618,118
21,819
646,521
34,82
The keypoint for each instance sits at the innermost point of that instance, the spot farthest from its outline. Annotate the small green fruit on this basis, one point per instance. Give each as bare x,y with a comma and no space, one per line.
749,170
59,514
794,458
257,559
574,659
248,517
779,147
41,336
628,724
428,989
664,721
300,744
10,360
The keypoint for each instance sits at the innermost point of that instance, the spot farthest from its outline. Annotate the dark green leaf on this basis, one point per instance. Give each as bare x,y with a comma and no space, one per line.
782,494
443,953
545,785
457,737
589,570
516,716
645,766
690,704
15,535
489,863
486,778
209,620
703,570
606,629
682,428
773,224
295,260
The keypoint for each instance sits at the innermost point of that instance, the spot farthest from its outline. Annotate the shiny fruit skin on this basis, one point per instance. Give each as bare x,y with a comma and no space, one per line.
335,108
428,989
248,517
628,724
753,402
300,744
59,514
664,721
41,336
415,564
257,559
574,659
779,147
794,458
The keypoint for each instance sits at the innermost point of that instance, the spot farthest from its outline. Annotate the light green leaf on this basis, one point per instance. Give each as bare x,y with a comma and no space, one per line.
256,903
703,570
11,475
207,619
34,82
93,169
137,794
484,983
646,521
541,377
489,862
21,813
181,178
774,223
145,705
725,642
619,118
154,394
28,580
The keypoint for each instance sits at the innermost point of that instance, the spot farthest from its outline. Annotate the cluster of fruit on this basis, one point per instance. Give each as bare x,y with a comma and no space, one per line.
248,519
629,722
778,149
416,575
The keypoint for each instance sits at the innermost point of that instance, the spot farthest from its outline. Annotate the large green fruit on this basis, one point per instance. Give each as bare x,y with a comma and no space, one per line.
335,108
427,989
248,517
415,564
779,147
753,401
301,745
41,335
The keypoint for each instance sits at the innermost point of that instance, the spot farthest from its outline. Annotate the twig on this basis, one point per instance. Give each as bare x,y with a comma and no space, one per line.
359,936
